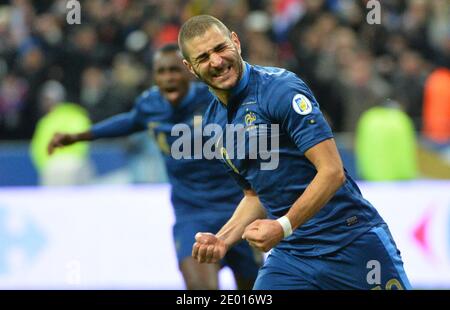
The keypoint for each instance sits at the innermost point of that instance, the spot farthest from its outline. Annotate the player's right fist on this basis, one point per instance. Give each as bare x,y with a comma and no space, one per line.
208,248
59,140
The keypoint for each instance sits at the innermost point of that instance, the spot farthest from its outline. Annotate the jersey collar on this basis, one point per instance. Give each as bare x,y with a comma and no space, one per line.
237,92
243,82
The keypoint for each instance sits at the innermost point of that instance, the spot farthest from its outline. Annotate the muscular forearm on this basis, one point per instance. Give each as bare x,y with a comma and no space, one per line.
317,194
248,210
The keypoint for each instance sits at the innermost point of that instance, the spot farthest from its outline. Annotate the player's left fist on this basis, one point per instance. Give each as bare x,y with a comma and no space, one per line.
208,248
263,234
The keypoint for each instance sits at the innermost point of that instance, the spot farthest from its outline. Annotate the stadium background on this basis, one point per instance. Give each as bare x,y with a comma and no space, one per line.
99,216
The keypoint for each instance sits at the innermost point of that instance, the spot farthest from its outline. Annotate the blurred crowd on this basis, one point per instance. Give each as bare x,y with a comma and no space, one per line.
104,62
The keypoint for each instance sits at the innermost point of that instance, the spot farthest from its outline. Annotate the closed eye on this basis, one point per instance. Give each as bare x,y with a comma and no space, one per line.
220,48
217,49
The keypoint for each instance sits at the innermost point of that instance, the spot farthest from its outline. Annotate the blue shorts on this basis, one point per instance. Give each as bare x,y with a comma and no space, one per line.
372,261
241,258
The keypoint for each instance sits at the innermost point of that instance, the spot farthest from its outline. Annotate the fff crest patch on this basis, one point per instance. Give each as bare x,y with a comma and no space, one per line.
301,104
250,118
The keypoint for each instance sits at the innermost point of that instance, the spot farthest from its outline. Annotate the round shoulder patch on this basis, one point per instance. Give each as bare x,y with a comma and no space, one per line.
301,104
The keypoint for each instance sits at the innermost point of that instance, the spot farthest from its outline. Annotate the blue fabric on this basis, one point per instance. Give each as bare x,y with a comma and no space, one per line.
203,194
200,187
386,238
348,268
117,126
265,96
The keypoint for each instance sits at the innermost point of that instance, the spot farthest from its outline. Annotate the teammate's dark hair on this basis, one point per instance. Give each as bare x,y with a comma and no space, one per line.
169,47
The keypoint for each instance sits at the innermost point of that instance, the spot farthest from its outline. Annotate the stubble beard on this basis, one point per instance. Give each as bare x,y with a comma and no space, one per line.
240,70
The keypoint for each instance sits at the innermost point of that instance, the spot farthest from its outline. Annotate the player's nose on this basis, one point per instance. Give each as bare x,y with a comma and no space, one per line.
216,60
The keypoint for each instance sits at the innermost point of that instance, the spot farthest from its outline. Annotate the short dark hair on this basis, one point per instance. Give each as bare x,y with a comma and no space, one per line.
196,26
168,48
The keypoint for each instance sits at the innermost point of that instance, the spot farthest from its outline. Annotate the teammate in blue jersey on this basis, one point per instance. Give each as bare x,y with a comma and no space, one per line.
306,209
202,194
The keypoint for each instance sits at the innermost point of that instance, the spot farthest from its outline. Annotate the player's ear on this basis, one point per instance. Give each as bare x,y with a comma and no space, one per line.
235,40
189,67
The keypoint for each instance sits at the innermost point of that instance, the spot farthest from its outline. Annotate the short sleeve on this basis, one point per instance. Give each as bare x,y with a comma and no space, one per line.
292,105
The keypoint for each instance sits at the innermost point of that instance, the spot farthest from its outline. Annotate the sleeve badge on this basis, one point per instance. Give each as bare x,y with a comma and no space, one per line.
301,104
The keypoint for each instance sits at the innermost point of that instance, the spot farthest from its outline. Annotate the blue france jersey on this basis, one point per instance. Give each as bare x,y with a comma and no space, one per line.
265,96
200,187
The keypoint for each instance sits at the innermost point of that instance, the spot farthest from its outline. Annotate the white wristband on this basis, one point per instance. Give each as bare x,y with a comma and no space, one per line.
286,225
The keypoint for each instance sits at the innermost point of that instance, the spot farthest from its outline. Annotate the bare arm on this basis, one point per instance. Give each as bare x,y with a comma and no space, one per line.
265,234
116,126
329,178
64,139
210,248
248,210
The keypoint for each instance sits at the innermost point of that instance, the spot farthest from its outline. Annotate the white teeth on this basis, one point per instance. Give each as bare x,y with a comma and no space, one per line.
222,73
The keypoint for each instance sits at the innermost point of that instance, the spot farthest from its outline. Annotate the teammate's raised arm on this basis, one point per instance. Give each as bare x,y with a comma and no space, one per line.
64,139
116,126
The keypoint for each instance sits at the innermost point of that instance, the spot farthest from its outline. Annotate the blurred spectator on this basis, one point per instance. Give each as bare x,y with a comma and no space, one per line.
286,13
105,95
82,50
6,43
22,14
361,89
94,86
13,90
47,26
437,106
68,166
408,83
31,65
439,32
349,64
263,51
386,145
415,25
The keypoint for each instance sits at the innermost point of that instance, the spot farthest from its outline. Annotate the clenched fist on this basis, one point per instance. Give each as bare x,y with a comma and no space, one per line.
208,248
263,234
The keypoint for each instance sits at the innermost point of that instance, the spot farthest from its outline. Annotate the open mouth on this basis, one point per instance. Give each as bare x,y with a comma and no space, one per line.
170,90
222,73
172,94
